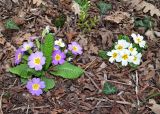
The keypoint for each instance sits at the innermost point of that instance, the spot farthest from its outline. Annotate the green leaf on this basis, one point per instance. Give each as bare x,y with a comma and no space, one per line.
68,71
124,37
10,24
47,49
59,21
20,70
146,22
24,80
35,73
134,66
109,88
104,7
49,83
102,54
84,5
24,71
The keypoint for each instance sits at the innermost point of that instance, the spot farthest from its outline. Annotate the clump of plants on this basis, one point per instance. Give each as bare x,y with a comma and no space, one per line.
85,21
126,51
39,57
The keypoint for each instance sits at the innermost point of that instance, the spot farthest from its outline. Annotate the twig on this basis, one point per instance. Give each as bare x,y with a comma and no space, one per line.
92,80
136,88
90,64
106,100
25,107
1,112
118,82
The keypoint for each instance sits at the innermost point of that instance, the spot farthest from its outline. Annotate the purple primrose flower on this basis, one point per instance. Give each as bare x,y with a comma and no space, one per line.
35,86
56,47
18,56
36,60
27,45
58,57
75,48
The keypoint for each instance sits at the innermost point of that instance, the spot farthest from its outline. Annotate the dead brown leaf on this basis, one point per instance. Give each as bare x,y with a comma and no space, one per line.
145,6
117,17
157,34
70,36
107,37
20,39
150,35
155,107
93,49
36,2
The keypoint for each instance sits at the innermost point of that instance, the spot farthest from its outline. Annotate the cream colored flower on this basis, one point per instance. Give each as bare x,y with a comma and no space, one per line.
136,59
132,50
125,54
114,56
121,44
138,39
59,43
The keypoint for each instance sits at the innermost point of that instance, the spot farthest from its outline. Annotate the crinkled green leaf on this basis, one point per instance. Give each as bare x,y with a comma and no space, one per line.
49,83
20,70
24,71
10,24
123,37
47,49
109,88
59,21
68,71
102,54
104,7
145,22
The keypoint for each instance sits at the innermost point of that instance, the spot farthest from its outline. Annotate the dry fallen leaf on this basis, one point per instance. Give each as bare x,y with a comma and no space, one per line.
36,2
157,33
143,5
150,35
70,36
117,17
107,37
155,107
75,8
20,39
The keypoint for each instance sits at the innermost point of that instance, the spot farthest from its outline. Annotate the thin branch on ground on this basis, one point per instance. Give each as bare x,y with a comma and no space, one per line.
1,111
94,83
108,100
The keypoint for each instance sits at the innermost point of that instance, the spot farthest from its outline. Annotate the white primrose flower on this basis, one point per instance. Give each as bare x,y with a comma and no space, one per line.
136,59
121,44
132,50
125,55
138,39
59,43
114,56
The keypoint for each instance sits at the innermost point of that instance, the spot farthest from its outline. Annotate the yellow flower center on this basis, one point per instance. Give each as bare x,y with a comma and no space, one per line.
120,47
75,48
27,47
57,57
131,49
37,61
125,56
135,58
114,55
35,86
59,43
138,40
19,56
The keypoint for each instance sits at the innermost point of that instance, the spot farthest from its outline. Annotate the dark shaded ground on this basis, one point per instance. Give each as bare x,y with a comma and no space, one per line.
83,95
